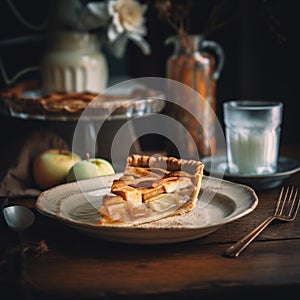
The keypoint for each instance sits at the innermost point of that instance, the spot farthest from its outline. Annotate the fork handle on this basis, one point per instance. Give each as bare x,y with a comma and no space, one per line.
238,247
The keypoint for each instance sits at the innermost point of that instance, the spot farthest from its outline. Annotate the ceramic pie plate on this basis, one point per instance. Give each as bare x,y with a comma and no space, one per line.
76,205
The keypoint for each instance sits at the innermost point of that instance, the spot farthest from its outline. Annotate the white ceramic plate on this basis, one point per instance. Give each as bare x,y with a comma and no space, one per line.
220,202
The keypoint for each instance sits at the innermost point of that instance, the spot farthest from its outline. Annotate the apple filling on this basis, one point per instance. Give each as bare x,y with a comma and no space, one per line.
117,209
151,189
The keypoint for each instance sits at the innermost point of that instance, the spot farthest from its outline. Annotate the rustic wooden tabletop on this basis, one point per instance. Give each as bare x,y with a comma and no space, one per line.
76,266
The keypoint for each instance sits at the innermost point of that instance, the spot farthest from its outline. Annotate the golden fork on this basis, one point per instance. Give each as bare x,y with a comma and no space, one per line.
285,210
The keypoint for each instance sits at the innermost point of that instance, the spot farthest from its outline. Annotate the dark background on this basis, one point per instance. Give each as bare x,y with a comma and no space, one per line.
259,43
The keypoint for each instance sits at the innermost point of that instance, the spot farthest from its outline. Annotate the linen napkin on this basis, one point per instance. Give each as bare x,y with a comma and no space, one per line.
18,180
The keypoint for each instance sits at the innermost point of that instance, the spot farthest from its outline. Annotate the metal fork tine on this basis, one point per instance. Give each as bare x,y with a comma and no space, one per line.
284,200
293,202
296,197
279,201
291,194
288,207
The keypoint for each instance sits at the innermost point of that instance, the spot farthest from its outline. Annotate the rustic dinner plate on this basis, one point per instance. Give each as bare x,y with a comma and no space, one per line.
76,205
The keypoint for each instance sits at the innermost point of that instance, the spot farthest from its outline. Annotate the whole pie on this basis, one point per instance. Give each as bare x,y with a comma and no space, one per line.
152,188
27,98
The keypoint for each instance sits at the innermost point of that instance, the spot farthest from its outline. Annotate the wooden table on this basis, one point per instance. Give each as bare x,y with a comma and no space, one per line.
80,267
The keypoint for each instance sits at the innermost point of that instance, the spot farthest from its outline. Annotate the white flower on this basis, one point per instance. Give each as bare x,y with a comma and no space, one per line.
127,15
127,21
123,19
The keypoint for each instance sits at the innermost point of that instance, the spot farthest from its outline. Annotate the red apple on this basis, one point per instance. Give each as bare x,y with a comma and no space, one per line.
51,167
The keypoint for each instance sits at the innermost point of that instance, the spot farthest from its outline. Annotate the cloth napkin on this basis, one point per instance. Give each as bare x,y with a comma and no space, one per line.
18,180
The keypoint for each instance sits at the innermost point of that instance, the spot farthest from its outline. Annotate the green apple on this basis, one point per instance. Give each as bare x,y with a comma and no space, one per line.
90,168
51,167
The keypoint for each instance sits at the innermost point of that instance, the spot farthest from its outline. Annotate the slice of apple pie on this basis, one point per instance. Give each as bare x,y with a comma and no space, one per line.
152,188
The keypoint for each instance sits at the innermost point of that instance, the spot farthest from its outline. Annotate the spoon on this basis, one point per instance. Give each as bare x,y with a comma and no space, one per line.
18,217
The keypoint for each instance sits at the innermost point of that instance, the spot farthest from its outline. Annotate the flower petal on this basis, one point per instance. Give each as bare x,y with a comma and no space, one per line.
118,47
98,9
113,33
93,16
111,7
117,23
140,42
141,30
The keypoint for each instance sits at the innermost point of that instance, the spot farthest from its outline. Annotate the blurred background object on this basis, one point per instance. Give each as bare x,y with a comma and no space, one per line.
259,38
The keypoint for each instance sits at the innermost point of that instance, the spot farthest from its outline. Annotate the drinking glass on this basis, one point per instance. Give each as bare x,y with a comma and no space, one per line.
252,136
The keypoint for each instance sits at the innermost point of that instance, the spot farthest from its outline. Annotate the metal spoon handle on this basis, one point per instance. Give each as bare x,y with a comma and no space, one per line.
238,247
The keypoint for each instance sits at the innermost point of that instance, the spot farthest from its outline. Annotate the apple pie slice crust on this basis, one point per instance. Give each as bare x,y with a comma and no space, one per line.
150,189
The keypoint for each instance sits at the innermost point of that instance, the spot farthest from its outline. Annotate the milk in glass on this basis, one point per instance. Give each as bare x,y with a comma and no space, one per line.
252,136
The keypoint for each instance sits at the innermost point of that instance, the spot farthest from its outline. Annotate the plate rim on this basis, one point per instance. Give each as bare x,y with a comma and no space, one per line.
208,159
73,223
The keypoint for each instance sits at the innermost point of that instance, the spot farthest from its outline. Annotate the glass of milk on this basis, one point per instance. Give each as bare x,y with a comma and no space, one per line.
252,136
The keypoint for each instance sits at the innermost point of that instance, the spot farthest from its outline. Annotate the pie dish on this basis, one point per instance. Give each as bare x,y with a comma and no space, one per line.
150,189
26,100
77,206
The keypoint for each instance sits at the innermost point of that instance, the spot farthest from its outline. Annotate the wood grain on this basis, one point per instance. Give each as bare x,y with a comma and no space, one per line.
80,267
